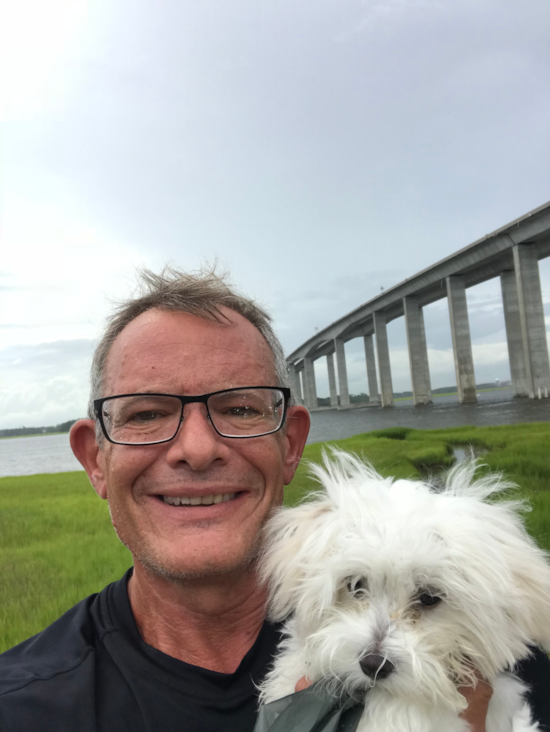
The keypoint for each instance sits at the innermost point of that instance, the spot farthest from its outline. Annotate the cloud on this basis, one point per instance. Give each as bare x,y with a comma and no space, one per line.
374,13
44,384
322,150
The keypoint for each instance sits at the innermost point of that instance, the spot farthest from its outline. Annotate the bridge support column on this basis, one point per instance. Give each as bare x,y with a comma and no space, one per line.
332,381
383,353
295,383
301,377
310,388
462,344
342,373
514,335
533,328
418,351
374,397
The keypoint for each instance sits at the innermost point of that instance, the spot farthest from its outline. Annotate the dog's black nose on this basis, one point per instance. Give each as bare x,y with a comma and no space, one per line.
376,666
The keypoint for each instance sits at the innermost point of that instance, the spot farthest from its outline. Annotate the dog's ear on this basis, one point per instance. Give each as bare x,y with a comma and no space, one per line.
298,545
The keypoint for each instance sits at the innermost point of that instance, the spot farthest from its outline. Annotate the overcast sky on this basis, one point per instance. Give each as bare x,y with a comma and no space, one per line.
320,149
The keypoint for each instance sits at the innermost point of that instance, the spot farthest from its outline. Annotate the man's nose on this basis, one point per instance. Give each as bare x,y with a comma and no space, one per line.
197,443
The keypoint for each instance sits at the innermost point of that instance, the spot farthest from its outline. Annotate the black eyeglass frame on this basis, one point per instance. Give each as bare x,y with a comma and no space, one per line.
202,399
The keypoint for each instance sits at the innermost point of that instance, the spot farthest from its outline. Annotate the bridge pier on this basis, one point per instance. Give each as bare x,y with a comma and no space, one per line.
342,373
533,328
514,334
383,353
418,351
310,387
372,378
332,381
295,383
462,343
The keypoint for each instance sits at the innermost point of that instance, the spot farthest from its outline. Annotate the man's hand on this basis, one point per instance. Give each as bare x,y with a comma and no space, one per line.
478,702
302,684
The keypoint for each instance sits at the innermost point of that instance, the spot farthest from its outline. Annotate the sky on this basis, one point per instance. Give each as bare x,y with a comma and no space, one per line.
319,150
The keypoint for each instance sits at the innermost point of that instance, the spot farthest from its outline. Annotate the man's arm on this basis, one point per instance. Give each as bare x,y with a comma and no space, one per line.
478,705
535,672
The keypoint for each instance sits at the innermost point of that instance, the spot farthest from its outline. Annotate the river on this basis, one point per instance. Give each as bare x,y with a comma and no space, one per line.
40,454
493,408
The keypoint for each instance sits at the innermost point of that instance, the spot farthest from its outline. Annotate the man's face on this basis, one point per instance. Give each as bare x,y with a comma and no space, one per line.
177,353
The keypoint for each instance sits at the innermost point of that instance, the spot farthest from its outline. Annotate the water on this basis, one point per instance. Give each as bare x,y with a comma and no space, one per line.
52,453
40,454
493,408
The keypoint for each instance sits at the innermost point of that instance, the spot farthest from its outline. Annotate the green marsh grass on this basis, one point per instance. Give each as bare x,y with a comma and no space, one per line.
57,545
521,452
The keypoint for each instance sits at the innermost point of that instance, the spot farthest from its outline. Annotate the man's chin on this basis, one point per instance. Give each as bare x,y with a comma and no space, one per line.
179,571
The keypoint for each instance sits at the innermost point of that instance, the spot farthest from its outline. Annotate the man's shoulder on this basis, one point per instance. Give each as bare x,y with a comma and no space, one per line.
49,682
61,646
58,649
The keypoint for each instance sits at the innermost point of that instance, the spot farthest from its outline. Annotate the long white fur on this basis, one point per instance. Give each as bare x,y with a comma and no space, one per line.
402,536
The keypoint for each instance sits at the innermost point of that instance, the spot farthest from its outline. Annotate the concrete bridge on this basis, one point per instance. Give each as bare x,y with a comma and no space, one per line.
511,253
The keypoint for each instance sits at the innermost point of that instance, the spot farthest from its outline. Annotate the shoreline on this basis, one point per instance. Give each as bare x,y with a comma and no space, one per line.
34,434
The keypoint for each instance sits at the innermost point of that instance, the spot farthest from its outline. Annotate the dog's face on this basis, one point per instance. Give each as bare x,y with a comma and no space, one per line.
413,590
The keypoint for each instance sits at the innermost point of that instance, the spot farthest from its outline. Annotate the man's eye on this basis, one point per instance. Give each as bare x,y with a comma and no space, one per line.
149,416
242,412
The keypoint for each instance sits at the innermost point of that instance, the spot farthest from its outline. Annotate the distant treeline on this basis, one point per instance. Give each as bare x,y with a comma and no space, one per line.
22,431
362,398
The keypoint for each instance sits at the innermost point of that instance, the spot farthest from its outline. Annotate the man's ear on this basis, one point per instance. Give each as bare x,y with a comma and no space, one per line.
297,430
87,451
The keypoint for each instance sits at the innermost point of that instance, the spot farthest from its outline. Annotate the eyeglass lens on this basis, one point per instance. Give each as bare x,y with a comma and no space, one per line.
145,419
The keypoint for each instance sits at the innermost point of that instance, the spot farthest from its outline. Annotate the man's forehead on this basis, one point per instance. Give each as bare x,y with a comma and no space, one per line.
177,327
156,338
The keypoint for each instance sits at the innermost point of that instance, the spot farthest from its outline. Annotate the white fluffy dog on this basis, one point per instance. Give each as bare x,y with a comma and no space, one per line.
404,591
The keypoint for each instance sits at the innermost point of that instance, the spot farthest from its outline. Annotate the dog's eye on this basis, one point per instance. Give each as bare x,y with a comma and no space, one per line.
427,599
356,586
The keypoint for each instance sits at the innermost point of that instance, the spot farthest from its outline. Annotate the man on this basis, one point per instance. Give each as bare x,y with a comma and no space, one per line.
191,438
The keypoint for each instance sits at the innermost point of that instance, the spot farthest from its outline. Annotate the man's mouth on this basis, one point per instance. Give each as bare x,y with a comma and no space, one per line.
199,500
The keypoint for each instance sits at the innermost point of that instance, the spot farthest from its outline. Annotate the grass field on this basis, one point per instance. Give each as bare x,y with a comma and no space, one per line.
57,545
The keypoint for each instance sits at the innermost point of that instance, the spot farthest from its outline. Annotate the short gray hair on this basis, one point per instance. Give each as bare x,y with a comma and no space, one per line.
201,293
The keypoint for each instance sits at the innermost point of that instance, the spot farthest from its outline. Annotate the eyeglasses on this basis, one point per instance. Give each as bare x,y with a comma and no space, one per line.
147,419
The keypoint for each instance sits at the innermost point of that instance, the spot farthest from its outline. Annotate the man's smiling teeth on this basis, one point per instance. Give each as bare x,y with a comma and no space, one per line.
198,500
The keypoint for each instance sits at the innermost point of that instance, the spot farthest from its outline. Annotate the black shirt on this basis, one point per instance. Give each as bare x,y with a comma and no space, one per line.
90,671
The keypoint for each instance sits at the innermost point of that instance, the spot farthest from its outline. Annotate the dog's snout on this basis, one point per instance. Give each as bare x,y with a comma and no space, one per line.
376,666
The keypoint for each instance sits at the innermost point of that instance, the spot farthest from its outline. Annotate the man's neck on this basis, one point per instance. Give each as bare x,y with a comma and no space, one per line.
207,624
